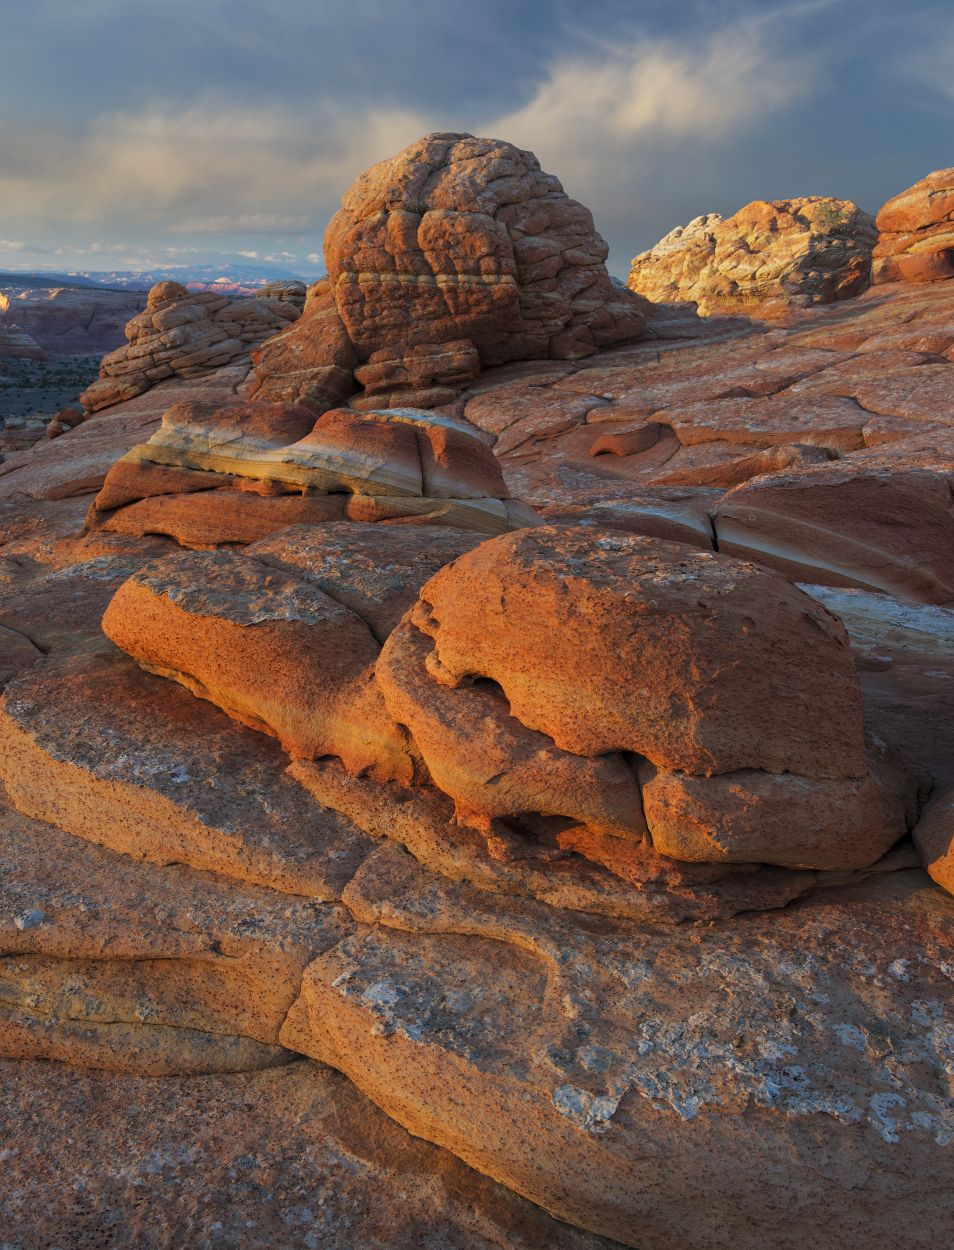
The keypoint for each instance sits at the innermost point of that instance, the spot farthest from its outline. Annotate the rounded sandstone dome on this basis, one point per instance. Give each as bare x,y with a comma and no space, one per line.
458,237
697,661
162,292
641,688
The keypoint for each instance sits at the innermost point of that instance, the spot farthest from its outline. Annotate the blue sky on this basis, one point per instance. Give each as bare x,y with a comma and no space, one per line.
135,133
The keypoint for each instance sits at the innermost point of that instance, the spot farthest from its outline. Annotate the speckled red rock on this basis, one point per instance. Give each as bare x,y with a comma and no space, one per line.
699,662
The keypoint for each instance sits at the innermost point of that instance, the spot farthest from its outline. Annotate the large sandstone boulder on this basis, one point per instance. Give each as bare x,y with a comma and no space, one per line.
186,335
606,695
454,240
644,691
916,232
768,257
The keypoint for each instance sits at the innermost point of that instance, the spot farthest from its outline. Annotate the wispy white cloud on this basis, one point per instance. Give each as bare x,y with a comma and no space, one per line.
217,166
12,245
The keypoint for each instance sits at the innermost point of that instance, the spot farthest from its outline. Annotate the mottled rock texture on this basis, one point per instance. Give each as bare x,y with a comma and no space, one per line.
916,232
768,257
456,240
183,334
291,1158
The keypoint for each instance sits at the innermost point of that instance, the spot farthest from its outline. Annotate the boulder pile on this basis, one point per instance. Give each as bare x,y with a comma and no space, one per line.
183,334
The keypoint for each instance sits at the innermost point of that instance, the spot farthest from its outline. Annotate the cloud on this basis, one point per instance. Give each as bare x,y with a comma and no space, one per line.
217,165
932,65
11,245
592,112
243,223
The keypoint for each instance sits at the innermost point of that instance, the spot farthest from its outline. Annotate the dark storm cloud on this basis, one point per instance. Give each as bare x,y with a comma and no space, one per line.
148,130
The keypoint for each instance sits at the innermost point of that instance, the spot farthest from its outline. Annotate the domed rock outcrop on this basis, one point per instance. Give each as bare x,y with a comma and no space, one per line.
184,334
720,691
454,240
768,257
649,698
916,232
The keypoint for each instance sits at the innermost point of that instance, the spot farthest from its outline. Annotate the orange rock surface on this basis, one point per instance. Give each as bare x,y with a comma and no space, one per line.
553,740
916,232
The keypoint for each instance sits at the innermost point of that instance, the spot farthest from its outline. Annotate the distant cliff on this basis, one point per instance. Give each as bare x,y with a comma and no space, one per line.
70,321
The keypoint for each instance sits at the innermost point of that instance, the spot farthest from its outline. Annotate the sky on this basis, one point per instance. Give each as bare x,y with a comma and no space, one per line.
135,134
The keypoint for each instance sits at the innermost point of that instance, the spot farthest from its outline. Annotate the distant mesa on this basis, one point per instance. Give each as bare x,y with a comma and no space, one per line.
916,232
770,256
69,321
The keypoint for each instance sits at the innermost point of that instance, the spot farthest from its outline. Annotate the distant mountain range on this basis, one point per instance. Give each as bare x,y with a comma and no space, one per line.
37,281
232,276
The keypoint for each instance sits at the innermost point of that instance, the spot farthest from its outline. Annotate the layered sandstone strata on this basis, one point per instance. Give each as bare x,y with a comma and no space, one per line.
234,472
183,334
916,232
72,321
766,258
17,344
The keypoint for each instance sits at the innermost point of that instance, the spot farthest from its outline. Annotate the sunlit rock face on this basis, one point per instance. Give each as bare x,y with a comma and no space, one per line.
574,836
233,472
184,334
769,257
916,232
456,240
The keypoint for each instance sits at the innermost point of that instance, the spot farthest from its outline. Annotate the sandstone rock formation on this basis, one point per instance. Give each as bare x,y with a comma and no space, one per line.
185,335
71,321
459,243
766,258
577,851
284,290
235,472
916,232
277,1159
